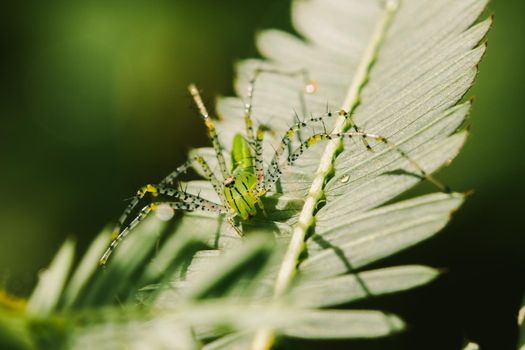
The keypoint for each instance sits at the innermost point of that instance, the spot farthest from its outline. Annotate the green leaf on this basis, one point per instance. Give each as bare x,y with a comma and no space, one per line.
51,281
120,280
471,346
347,288
376,234
336,324
401,75
401,69
236,341
521,324
86,269
241,263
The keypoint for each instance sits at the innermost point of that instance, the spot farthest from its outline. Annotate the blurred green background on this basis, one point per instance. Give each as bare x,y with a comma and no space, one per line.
93,104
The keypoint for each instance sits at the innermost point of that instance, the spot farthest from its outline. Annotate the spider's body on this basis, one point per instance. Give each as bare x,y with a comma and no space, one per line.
240,188
243,185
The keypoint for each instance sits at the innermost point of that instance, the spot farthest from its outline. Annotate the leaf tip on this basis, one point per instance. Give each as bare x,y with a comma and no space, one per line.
396,324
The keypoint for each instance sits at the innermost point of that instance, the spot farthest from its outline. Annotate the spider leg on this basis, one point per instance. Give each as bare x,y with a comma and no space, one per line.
212,133
248,122
198,204
312,140
170,179
163,189
259,161
194,201
350,124
310,86
217,185
256,140
273,169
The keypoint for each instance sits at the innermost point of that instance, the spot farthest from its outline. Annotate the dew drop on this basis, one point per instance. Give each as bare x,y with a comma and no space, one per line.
311,87
344,179
164,212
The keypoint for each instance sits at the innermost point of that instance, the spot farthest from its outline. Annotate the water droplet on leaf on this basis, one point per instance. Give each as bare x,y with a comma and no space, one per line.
164,212
311,87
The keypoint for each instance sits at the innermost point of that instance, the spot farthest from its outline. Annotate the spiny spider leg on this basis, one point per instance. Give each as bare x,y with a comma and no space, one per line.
187,201
204,205
187,198
259,161
217,185
212,133
309,85
256,140
155,190
312,140
273,173
169,180
286,141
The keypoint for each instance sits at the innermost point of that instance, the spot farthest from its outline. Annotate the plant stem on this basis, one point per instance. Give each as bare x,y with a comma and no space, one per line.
265,338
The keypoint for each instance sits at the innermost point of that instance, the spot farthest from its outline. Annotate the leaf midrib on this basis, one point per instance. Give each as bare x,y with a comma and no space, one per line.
264,338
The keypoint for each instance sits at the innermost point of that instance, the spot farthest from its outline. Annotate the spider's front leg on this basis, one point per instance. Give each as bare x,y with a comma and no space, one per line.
185,201
169,181
212,133
190,204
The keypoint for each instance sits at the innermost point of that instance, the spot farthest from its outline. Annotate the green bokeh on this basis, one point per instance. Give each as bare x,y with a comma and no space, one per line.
93,104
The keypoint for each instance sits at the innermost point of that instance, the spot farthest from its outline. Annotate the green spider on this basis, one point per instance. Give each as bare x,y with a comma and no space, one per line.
241,189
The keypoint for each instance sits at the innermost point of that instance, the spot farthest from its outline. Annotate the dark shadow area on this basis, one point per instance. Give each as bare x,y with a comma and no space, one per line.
398,172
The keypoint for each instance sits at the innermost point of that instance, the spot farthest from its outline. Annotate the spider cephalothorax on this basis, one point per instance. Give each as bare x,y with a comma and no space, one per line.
247,181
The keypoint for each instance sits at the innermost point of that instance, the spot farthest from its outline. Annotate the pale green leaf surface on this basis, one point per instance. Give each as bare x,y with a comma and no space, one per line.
348,253
115,282
132,334
88,266
245,262
521,324
423,67
370,191
46,295
471,346
348,288
333,324
235,341
292,321
336,227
